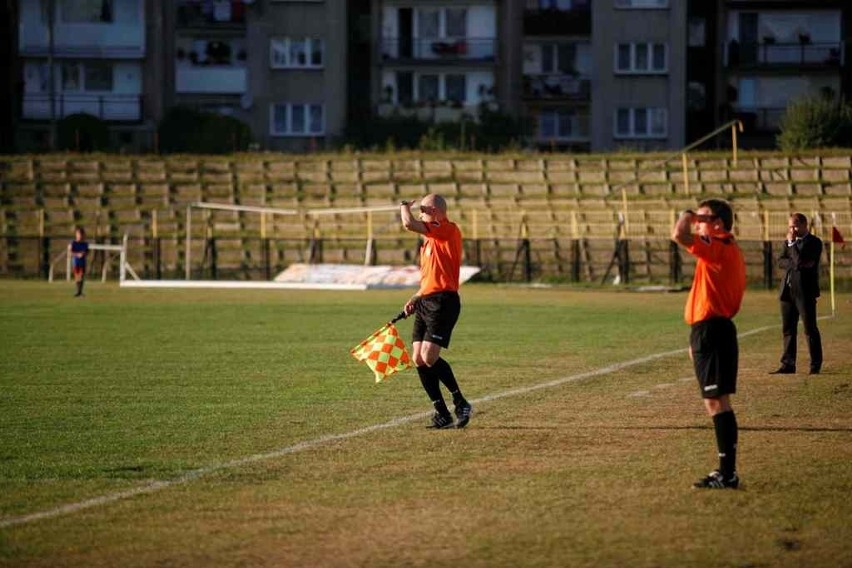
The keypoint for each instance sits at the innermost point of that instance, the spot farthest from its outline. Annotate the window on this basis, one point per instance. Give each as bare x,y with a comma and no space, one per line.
434,23
71,77
87,11
427,88
456,22
642,58
456,88
696,35
288,119
554,124
642,4
428,23
296,53
558,57
98,76
641,122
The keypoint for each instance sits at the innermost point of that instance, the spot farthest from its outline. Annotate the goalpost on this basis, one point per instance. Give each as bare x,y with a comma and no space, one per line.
300,276
264,211
111,252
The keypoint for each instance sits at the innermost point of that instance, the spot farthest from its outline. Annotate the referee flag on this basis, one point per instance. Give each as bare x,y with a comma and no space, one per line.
384,352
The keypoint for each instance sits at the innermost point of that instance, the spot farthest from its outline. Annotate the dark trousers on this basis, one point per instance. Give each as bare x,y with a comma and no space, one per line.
791,310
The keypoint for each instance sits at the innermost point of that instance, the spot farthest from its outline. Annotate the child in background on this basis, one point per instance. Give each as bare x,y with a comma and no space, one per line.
79,250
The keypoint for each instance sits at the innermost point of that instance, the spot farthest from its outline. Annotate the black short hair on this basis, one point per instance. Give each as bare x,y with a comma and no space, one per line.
722,210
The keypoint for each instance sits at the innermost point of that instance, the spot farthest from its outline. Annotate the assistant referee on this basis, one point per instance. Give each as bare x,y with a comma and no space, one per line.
715,298
436,306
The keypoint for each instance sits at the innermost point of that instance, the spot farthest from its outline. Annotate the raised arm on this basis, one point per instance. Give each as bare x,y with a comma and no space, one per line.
409,222
682,232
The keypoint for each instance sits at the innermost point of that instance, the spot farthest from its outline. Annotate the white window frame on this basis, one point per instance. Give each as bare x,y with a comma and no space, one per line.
633,68
651,113
442,22
289,133
641,4
284,44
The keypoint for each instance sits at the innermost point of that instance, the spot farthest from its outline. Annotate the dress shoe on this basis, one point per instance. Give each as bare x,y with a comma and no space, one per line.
783,370
814,372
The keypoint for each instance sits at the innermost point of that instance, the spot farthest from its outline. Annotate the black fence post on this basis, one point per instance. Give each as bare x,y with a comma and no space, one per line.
45,257
767,264
158,255
675,263
525,243
213,268
575,260
267,266
624,260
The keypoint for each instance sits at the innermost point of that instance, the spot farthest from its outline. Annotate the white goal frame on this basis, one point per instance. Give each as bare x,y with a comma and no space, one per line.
112,252
263,211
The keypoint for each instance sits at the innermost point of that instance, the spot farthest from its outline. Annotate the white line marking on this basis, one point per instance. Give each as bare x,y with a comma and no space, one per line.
200,472
640,393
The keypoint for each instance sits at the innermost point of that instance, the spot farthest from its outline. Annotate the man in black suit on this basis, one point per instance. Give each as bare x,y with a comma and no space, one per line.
799,292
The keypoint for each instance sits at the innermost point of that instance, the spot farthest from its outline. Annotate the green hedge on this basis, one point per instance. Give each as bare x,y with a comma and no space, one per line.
185,130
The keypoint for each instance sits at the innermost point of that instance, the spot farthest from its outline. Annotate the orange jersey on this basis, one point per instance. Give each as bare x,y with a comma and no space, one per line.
720,279
440,258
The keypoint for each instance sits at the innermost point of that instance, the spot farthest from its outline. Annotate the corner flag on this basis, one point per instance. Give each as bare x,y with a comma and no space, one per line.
836,237
384,352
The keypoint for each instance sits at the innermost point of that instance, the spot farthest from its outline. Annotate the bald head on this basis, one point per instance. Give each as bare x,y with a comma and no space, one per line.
434,206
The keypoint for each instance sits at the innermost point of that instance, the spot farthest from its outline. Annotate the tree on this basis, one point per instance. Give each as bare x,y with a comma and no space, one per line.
816,122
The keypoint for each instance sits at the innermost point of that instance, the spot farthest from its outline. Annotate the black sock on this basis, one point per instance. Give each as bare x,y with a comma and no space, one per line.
725,424
445,374
79,287
430,383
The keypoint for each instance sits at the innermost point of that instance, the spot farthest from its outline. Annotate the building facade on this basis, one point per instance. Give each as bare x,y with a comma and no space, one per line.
582,75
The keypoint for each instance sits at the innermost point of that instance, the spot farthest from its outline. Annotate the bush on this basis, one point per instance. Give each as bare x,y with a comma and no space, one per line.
816,122
82,133
188,130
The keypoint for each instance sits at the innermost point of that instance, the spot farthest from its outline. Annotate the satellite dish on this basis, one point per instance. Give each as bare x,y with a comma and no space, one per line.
246,100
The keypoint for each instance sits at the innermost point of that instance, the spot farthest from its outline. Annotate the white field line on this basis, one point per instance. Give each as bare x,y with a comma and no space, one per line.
308,444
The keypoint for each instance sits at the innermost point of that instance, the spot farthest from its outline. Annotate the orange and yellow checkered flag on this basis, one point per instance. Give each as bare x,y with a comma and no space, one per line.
384,352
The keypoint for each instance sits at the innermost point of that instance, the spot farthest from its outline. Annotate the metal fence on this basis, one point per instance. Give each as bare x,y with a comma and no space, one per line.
593,261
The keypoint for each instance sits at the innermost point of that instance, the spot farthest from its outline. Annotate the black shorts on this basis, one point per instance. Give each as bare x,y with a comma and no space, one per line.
435,317
715,355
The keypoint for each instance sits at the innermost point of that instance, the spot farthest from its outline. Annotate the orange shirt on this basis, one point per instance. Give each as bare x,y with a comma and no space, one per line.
720,279
440,258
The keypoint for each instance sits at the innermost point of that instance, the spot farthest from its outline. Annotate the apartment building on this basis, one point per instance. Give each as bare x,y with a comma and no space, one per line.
775,52
557,71
583,75
88,56
436,60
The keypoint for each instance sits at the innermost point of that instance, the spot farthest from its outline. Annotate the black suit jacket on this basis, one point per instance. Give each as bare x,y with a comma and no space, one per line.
800,262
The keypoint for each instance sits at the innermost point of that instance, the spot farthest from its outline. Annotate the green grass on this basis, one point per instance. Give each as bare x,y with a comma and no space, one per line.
126,387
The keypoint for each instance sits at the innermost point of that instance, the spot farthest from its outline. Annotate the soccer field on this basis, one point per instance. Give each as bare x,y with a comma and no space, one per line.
196,428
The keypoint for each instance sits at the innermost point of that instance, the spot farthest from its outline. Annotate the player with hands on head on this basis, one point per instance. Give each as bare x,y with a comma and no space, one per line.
436,306
714,299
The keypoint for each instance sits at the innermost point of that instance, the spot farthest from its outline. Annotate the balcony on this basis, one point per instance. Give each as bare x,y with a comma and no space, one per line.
555,22
439,50
117,34
428,112
212,80
112,107
783,55
211,15
556,86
